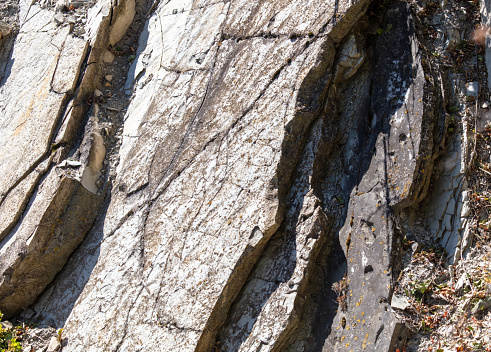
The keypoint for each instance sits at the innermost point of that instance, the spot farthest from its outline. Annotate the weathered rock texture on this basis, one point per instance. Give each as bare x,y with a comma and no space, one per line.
269,149
44,211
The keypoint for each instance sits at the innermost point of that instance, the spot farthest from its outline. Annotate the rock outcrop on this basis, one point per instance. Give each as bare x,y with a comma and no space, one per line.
206,189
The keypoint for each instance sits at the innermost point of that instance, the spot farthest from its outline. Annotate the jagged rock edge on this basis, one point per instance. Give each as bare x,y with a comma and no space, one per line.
58,148
286,168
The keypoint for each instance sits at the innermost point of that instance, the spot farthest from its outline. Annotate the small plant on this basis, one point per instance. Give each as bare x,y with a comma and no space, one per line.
341,290
8,341
429,322
217,347
478,346
453,109
451,123
419,289
340,200
406,243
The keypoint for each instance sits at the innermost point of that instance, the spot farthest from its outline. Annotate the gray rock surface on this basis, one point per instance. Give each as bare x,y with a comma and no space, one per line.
269,149
45,213
205,210
43,242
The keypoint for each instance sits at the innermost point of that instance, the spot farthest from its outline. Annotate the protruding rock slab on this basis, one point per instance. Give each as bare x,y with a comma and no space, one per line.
225,140
44,217
43,67
269,306
211,140
56,222
405,118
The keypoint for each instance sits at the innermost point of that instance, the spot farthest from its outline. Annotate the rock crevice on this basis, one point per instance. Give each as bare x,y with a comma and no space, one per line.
238,180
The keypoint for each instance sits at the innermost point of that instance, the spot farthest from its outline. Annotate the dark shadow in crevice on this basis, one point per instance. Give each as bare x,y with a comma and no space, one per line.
6,61
333,269
338,169
342,170
9,18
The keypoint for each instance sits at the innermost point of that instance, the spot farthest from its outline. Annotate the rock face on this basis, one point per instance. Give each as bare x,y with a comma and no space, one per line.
45,213
268,150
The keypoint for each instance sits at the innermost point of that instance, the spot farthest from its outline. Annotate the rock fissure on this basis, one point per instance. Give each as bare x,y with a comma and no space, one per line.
257,167
185,138
46,157
66,185
156,4
291,327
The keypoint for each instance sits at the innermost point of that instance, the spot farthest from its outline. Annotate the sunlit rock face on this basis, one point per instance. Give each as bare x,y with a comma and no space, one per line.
266,150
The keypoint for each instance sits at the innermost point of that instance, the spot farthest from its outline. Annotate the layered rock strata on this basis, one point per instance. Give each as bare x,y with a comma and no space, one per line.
47,75
269,150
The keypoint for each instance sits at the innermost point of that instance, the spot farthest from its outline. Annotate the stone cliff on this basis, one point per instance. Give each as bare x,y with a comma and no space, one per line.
237,175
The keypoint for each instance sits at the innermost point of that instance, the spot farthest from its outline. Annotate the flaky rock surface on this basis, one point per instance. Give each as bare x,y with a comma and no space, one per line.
260,152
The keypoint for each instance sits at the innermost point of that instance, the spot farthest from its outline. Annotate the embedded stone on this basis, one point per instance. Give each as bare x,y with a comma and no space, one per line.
399,302
59,18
